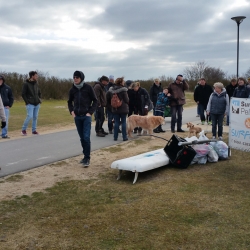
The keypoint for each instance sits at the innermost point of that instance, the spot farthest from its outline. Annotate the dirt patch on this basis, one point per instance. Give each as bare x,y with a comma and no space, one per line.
38,179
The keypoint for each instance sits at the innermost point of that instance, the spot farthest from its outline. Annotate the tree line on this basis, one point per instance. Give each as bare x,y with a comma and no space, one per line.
57,88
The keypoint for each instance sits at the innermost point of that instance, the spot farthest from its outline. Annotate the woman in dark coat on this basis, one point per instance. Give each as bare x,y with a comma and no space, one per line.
121,112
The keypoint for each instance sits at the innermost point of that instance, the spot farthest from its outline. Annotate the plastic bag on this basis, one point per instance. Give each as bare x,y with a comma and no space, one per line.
190,139
202,136
212,155
221,149
202,151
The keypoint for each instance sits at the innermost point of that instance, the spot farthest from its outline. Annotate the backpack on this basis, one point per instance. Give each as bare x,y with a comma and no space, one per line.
115,101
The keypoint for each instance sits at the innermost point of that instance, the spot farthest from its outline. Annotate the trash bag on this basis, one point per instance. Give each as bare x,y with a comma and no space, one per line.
202,136
202,151
221,149
190,139
212,155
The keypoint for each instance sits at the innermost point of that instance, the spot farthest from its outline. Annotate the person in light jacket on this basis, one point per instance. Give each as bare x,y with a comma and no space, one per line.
217,108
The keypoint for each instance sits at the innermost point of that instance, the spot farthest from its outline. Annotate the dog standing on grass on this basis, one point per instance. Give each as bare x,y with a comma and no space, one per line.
193,130
145,122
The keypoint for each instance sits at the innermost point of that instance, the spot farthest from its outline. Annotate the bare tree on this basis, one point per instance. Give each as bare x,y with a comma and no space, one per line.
196,71
247,74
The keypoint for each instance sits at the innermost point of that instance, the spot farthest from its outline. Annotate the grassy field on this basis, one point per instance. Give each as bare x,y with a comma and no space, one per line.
53,113
202,207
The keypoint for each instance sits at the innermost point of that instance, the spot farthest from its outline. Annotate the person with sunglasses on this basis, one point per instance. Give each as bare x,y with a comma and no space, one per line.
82,103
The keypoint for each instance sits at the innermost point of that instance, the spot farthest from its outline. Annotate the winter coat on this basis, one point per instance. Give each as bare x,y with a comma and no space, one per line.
82,101
230,89
154,91
100,93
162,102
140,100
202,94
122,95
242,91
177,93
2,113
218,104
31,93
6,94
110,84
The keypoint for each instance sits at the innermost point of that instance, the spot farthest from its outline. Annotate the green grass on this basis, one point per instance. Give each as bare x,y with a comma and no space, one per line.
201,207
51,114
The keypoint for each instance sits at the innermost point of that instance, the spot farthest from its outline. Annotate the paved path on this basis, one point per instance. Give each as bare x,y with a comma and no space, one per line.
34,151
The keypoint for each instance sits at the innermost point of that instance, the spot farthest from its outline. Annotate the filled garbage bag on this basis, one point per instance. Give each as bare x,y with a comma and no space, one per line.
221,149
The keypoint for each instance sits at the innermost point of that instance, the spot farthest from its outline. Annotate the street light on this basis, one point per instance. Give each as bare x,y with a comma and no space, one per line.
238,20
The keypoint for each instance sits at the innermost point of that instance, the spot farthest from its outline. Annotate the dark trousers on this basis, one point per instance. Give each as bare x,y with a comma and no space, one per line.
120,119
202,109
83,126
217,120
159,113
99,119
110,120
176,110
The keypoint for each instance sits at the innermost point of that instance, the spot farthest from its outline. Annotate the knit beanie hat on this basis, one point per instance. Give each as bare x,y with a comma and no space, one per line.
79,74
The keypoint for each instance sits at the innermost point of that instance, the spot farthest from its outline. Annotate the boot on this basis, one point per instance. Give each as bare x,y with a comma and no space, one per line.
156,130
100,134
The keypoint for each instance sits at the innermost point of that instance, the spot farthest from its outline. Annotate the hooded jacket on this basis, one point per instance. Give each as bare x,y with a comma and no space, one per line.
202,94
83,100
122,95
31,93
218,103
6,94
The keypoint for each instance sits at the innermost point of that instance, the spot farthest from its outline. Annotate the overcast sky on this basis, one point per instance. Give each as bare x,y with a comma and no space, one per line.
138,39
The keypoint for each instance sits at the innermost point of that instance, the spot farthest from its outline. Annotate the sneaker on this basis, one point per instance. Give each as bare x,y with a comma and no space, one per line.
156,131
180,130
202,123
100,134
5,137
24,133
213,137
198,116
85,162
125,139
220,138
209,123
172,131
35,133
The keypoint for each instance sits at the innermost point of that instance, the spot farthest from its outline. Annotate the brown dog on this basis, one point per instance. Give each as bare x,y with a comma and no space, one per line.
146,122
193,130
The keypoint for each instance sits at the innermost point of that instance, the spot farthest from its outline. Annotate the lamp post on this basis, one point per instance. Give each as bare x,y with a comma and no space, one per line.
238,20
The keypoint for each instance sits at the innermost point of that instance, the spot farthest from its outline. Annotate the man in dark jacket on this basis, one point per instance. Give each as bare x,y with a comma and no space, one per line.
82,104
7,98
230,88
100,93
176,90
201,97
31,95
155,89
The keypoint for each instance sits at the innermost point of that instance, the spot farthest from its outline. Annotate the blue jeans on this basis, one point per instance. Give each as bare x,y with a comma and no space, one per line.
176,110
110,120
120,119
217,119
100,118
202,109
83,126
5,129
32,113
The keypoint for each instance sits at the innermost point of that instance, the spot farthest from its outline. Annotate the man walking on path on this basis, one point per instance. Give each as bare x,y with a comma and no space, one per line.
201,97
100,93
31,95
176,90
82,104
7,99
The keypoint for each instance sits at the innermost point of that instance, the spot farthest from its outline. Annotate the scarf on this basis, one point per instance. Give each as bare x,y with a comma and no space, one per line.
79,86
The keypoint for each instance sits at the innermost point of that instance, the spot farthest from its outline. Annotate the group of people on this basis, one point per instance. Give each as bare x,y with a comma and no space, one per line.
215,103
130,98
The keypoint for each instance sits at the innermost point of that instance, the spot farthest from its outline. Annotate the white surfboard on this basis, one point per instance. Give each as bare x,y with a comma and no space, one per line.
141,163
